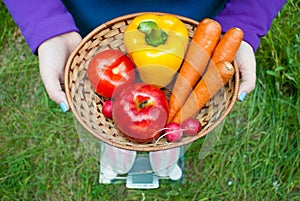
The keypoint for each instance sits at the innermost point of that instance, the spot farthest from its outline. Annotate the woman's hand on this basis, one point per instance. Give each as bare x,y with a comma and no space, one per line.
53,55
246,62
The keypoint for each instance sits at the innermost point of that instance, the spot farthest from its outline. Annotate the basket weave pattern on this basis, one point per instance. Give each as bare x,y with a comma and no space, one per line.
86,104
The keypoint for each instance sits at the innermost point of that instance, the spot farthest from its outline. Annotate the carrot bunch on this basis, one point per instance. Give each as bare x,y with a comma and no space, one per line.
206,68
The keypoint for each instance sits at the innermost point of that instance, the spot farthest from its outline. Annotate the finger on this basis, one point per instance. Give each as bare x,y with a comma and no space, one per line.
55,90
247,65
248,82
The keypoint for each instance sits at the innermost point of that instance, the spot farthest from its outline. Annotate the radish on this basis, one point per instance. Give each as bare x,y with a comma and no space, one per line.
174,132
107,108
191,126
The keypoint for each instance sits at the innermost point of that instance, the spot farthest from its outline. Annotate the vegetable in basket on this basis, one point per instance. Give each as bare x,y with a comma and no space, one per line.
174,131
218,73
214,78
157,45
204,41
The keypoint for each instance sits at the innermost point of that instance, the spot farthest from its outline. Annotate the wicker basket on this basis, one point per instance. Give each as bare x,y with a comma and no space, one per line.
86,105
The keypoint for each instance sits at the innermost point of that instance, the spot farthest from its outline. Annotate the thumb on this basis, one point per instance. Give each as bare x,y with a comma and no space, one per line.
55,91
246,62
248,75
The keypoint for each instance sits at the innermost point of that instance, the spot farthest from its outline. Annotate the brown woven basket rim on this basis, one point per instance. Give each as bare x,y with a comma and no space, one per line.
149,148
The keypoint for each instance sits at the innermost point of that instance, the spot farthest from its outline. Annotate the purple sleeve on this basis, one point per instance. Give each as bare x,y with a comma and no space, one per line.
40,20
254,17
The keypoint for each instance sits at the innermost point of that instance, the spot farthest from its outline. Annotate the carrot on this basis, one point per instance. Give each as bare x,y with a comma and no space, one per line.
228,45
214,78
204,41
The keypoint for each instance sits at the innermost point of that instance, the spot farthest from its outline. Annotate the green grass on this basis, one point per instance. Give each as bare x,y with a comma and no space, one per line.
256,158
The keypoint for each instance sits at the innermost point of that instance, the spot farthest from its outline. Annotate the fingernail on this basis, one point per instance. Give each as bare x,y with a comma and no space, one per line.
64,107
242,96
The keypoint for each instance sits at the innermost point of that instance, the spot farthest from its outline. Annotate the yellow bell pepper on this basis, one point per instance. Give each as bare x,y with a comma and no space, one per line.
157,45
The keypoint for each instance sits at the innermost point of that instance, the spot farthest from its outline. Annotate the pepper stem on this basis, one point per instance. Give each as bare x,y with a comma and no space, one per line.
147,26
154,36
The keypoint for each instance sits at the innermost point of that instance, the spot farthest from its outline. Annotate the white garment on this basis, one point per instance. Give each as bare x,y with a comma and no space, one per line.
116,161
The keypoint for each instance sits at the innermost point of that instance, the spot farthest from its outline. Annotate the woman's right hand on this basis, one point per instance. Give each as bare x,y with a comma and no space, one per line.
53,55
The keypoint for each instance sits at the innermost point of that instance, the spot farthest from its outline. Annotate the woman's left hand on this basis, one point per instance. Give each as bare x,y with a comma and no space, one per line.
245,58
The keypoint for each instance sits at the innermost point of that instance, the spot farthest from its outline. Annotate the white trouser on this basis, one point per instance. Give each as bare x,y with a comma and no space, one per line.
121,161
